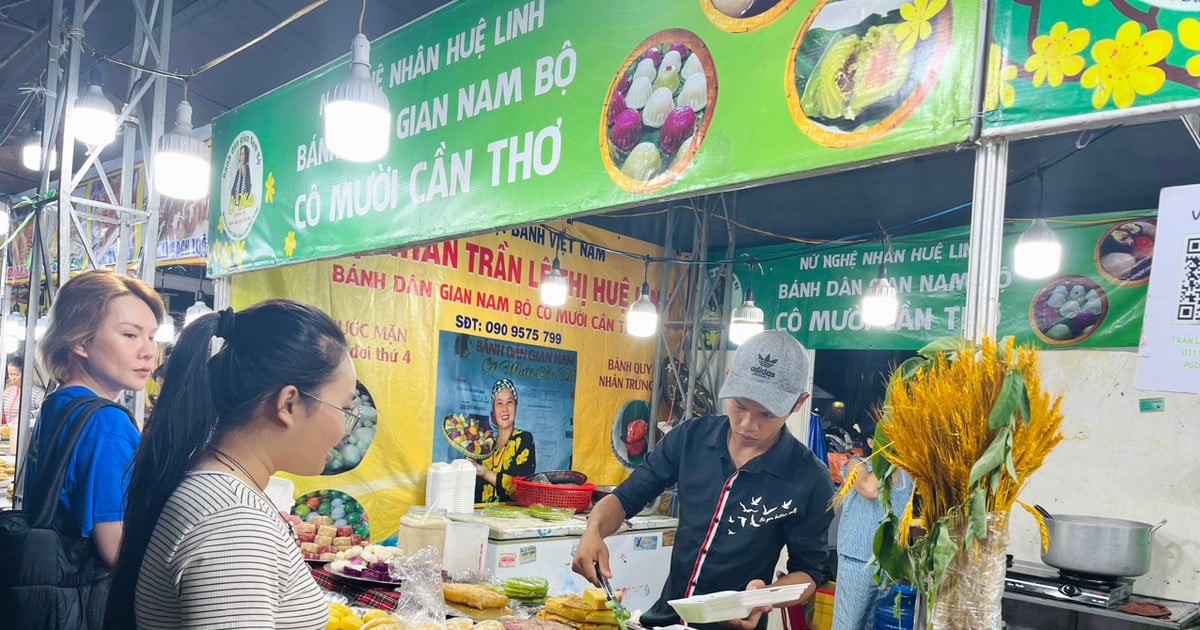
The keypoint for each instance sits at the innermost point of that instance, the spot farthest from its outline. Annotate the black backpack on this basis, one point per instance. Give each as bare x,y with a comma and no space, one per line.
53,578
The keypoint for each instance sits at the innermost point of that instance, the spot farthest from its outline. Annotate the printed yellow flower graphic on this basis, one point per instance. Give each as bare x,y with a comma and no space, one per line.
999,89
916,25
221,255
1189,36
270,195
289,244
239,253
1090,3
221,225
1056,55
1125,66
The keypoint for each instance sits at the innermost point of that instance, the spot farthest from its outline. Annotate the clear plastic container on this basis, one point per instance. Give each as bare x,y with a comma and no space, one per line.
423,527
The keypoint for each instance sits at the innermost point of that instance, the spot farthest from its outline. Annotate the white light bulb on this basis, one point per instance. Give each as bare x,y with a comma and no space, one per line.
94,120
31,155
39,328
745,322
196,311
14,326
1038,253
166,331
181,163
357,115
11,344
555,286
879,304
641,320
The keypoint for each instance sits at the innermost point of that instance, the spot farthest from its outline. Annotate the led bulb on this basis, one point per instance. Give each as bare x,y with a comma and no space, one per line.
879,304
181,163
31,155
554,287
1038,253
94,119
166,331
196,311
357,115
745,322
39,328
641,320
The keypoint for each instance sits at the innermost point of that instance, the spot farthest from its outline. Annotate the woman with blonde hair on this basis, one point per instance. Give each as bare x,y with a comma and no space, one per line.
100,342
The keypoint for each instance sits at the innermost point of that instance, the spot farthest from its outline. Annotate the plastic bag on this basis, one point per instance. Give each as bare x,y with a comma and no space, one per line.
421,574
970,594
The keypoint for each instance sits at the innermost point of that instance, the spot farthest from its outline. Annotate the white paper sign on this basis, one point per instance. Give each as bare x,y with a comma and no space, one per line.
1169,355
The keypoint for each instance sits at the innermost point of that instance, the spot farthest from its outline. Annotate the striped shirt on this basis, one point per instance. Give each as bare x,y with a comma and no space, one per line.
221,557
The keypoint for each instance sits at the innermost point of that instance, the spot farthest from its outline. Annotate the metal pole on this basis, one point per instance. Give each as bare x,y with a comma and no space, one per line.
661,339
698,304
157,124
66,174
982,312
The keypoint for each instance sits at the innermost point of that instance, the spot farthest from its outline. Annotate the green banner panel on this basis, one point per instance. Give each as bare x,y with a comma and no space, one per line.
1054,59
515,112
1096,300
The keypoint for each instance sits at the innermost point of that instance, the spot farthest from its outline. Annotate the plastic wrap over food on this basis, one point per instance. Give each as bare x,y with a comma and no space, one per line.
969,597
421,574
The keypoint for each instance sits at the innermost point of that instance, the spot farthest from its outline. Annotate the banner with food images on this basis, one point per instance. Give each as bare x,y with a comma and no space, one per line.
513,112
1095,300
436,332
1056,59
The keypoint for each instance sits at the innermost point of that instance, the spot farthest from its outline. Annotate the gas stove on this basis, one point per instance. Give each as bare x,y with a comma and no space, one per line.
1040,580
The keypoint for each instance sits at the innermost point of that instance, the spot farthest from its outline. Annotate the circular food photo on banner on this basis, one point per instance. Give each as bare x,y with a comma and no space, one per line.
657,111
1126,251
343,511
349,453
859,68
742,16
631,433
1067,310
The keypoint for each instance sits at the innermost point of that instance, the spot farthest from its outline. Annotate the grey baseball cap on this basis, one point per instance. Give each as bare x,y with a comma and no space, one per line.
770,368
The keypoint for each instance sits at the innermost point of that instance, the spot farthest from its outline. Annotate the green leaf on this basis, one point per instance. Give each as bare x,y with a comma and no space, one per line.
911,366
940,551
994,480
1009,466
992,458
888,553
977,529
1009,399
943,345
1025,403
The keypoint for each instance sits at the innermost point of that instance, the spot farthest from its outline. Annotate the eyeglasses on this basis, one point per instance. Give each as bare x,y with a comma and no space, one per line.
353,413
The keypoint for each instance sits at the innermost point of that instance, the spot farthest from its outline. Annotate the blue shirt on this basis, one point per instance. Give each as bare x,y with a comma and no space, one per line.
98,475
861,516
732,522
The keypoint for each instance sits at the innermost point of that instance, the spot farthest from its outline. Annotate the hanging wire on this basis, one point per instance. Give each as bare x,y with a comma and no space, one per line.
362,14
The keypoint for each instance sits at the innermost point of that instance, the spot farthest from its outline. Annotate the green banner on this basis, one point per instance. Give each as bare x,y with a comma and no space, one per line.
1063,58
515,112
1096,300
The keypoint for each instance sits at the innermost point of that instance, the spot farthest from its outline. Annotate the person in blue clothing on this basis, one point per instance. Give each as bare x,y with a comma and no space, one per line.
100,342
857,592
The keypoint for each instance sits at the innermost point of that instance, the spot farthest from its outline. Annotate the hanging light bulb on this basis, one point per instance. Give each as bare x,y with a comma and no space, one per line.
196,311
11,344
554,286
4,218
746,321
1038,253
181,163
31,151
94,119
879,303
14,325
39,328
358,116
642,318
166,331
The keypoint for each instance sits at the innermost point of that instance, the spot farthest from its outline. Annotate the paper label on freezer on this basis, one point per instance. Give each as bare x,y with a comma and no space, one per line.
668,539
508,560
645,543
528,555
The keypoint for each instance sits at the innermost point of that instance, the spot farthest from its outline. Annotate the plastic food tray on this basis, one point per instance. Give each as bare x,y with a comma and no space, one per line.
727,605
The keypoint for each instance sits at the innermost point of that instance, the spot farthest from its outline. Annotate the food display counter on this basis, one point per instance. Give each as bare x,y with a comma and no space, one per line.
523,545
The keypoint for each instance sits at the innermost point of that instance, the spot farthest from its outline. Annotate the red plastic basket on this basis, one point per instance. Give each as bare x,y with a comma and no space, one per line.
577,498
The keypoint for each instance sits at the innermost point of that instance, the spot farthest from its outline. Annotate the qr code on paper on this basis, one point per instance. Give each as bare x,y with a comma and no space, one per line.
1187,310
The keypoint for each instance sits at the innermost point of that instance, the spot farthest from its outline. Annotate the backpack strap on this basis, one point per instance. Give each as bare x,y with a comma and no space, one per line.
58,475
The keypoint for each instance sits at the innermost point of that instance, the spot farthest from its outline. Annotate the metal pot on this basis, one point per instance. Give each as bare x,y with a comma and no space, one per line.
1098,546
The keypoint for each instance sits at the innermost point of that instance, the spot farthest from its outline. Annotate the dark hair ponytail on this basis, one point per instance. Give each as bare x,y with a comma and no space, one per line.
267,346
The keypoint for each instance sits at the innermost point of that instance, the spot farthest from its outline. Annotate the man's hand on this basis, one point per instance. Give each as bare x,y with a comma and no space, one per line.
591,552
750,622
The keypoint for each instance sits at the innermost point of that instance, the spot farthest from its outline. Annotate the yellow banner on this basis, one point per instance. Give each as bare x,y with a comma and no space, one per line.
432,328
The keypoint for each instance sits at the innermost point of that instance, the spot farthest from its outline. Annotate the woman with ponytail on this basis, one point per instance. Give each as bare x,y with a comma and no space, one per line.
203,546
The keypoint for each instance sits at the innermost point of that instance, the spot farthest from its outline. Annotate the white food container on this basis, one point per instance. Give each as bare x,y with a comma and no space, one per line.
727,605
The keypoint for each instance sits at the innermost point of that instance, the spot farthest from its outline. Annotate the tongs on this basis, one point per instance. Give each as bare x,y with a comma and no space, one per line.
620,613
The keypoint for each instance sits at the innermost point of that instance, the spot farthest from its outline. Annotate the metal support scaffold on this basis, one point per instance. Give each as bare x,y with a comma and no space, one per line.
75,245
